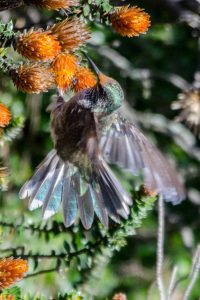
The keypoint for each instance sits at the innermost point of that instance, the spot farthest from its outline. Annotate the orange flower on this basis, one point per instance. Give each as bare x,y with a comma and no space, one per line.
5,116
84,79
53,4
11,270
130,21
38,45
32,78
64,68
71,33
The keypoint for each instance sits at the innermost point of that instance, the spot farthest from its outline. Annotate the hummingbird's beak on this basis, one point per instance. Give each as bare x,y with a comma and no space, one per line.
92,64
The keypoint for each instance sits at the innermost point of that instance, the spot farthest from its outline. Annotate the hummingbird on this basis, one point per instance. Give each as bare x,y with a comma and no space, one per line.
89,133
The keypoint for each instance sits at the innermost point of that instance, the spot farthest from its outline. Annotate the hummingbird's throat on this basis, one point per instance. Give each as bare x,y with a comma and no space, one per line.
114,95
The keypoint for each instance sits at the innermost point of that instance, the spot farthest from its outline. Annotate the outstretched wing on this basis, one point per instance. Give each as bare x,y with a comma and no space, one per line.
125,145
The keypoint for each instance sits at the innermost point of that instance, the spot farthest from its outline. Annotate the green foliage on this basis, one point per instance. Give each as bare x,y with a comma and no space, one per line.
14,291
13,129
6,30
90,255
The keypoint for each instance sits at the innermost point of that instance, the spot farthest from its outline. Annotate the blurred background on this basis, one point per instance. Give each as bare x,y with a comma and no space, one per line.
153,69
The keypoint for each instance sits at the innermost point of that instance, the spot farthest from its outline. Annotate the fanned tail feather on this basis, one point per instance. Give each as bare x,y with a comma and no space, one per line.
56,182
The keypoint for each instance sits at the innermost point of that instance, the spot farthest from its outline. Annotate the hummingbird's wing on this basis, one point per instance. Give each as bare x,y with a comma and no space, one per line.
125,145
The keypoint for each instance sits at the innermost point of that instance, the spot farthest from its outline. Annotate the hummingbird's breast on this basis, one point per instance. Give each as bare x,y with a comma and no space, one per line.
73,127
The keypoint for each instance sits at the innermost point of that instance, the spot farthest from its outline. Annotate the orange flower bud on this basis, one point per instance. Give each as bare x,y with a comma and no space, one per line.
11,270
5,116
71,33
144,191
120,296
84,79
130,21
53,4
38,45
3,172
64,68
32,78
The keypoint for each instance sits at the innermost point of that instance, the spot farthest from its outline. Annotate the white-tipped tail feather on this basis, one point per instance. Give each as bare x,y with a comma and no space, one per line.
56,182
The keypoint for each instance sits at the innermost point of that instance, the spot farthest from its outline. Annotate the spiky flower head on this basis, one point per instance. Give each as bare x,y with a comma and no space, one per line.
84,79
38,45
189,104
5,115
53,4
7,4
64,68
120,296
32,78
71,33
12,270
130,21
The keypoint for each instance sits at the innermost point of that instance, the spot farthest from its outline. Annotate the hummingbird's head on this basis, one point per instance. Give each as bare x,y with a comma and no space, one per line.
110,91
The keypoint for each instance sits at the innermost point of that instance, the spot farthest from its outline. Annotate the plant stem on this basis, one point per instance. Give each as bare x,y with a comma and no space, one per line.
172,283
160,247
194,275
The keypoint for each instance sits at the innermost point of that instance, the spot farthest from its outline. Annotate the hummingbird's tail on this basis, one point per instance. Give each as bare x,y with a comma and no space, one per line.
57,183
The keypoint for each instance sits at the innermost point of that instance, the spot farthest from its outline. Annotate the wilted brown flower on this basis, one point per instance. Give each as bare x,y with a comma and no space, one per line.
130,21
84,79
12,270
7,4
64,68
38,45
119,296
53,4
71,33
5,115
32,78
189,103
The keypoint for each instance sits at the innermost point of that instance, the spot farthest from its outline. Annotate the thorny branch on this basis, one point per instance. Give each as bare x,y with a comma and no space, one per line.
67,257
56,269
